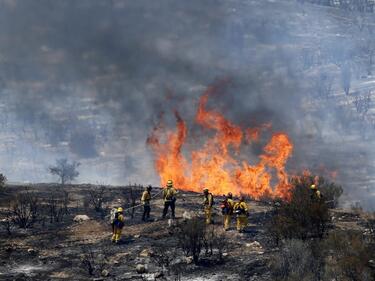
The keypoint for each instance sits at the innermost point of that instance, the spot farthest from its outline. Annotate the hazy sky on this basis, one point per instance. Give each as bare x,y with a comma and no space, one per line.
87,80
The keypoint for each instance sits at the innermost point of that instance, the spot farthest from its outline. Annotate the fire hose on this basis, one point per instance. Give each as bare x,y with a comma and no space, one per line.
140,205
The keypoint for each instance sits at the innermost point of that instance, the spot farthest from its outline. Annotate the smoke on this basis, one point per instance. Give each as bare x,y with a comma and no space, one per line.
88,79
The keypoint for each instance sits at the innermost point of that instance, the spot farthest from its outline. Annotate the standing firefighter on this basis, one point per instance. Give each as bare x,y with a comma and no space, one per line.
241,211
169,196
146,198
117,225
315,193
208,202
227,210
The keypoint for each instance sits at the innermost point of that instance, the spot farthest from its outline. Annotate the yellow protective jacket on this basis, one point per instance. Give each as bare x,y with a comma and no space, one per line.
241,208
146,198
169,194
231,205
208,200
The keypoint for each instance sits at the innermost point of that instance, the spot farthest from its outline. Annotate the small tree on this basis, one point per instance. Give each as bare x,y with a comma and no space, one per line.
191,236
25,209
66,171
97,197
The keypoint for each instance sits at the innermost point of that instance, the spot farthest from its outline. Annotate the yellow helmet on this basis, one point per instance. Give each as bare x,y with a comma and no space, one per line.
120,210
313,186
169,183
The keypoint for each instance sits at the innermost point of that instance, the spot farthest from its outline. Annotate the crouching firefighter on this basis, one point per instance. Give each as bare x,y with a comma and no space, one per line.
227,210
117,224
208,202
169,196
241,211
146,198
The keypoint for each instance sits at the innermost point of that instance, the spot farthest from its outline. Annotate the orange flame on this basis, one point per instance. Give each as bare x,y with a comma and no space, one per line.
215,166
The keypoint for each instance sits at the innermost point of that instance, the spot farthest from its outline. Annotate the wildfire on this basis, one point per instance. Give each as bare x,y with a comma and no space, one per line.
216,165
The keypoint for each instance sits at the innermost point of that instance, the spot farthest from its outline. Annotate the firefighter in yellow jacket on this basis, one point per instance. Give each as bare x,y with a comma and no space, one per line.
117,225
146,198
169,197
208,202
227,210
241,211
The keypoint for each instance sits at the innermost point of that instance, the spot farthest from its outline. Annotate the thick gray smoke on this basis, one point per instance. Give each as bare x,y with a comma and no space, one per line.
87,80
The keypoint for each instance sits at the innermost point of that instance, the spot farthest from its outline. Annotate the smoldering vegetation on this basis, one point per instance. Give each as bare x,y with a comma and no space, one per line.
62,232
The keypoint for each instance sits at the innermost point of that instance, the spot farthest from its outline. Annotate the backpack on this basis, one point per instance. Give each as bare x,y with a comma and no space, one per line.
225,208
117,222
169,196
114,219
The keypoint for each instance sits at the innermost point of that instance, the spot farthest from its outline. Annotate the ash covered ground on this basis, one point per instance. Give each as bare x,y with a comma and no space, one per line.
65,250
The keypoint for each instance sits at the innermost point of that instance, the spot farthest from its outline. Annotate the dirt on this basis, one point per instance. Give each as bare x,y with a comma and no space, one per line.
56,251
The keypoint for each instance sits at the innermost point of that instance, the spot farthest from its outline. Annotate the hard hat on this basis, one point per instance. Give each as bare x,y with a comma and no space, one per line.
205,190
169,183
230,195
313,186
120,210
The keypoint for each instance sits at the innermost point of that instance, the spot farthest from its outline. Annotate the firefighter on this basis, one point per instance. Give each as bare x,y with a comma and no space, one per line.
169,197
117,225
227,210
146,198
241,211
315,193
208,202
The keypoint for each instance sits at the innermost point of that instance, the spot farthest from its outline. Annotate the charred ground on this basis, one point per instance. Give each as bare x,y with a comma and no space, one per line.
69,250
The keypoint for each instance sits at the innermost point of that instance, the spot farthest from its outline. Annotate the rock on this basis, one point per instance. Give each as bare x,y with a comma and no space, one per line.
149,277
172,223
254,244
81,218
256,247
31,252
189,260
137,236
187,215
371,263
141,268
98,279
105,273
159,274
146,253
225,254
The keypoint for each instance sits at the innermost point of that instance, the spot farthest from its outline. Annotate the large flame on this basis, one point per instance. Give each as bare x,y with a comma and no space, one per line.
216,166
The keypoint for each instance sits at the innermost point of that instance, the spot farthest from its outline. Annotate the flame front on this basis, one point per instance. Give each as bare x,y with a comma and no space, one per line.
216,166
